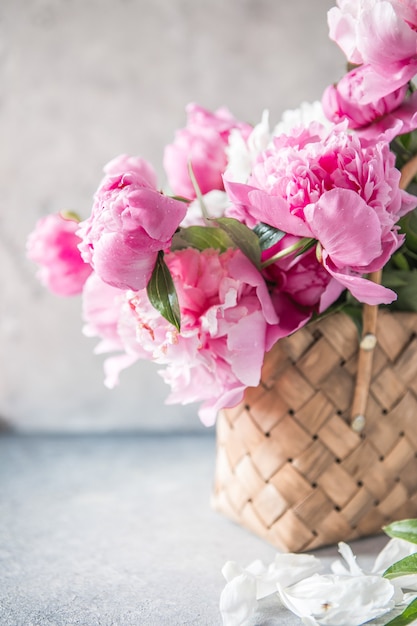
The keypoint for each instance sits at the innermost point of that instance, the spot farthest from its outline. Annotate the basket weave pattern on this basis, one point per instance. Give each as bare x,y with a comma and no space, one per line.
289,465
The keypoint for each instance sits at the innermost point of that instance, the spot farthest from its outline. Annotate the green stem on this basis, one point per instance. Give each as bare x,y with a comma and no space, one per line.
198,191
299,245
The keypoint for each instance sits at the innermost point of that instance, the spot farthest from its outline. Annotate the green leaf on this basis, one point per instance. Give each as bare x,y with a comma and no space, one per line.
404,529
243,238
406,617
201,238
404,567
162,294
268,235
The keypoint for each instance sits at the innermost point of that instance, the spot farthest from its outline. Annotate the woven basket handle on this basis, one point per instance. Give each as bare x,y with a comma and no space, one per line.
368,339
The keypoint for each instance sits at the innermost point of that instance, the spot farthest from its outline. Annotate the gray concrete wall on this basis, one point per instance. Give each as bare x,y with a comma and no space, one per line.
80,82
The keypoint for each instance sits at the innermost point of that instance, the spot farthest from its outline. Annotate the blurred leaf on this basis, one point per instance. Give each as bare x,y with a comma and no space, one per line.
412,188
162,294
201,238
406,617
243,238
268,235
70,215
408,225
181,199
411,255
404,529
400,261
356,315
405,285
404,567
395,278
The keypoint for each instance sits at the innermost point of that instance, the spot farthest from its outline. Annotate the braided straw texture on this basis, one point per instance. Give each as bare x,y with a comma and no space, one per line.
289,466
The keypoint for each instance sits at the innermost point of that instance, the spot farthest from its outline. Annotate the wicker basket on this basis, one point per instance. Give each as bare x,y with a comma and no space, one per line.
294,466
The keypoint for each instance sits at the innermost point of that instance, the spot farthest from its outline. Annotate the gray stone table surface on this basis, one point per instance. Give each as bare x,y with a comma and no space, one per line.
117,530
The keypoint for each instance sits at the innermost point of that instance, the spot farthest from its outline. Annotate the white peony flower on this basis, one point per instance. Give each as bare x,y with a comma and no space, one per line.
216,203
241,153
303,116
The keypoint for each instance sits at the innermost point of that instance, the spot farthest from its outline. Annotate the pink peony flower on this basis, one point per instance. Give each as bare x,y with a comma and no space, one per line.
227,323
379,33
202,143
329,187
131,221
341,101
53,245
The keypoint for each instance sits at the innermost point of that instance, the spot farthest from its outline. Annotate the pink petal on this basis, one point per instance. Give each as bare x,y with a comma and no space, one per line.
114,365
402,120
271,210
275,211
291,316
117,266
385,38
362,289
378,85
209,409
243,270
347,228
342,30
246,342
333,290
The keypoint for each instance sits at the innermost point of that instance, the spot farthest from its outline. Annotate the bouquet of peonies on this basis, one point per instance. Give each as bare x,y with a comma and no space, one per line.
263,229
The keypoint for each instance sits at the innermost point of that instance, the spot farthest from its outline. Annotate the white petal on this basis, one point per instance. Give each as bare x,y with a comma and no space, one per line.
286,570
303,116
395,550
239,159
260,137
230,570
408,597
309,621
238,600
339,600
257,568
353,568
216,203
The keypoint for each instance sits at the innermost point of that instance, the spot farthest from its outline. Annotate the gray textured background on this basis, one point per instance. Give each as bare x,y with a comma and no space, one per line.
82,81
118,531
